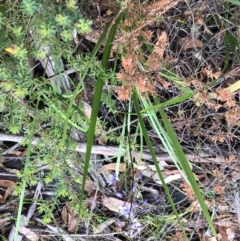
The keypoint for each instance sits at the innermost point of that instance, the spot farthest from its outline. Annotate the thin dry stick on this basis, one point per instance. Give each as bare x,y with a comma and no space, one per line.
96,149
113,151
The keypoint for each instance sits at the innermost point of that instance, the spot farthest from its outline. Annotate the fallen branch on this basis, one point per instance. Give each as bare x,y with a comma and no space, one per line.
96,149
113,151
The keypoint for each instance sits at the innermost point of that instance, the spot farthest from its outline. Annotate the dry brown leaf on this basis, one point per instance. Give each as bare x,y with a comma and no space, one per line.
189,43
232,158
70,217
72,221
112,167
93,36
197,83
217,138
64,215
233,117
199,20
160,45
115,204
9,185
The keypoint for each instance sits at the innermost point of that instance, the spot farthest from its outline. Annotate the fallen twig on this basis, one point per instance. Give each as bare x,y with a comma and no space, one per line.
113,151
96,149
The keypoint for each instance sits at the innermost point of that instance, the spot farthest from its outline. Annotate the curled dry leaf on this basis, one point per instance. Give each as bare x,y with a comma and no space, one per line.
64,215
72,221
69,218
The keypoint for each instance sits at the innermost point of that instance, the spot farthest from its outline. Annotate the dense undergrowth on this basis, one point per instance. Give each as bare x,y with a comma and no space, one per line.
119,120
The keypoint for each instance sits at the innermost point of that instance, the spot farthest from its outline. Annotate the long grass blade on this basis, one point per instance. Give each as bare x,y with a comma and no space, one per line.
150,148
96,104
186,167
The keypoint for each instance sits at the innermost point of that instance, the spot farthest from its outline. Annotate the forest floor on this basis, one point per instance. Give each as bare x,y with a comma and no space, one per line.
186,55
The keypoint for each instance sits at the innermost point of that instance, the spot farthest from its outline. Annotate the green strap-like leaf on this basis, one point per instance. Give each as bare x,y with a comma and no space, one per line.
96,102
150,148
186,167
